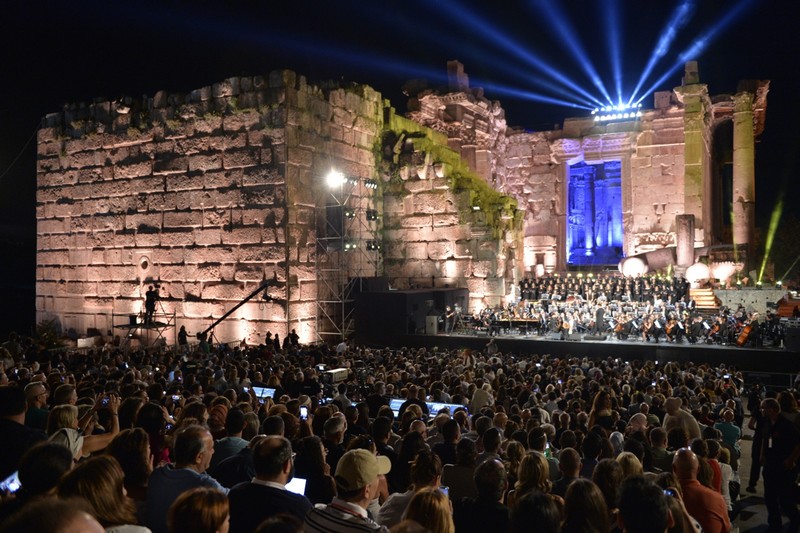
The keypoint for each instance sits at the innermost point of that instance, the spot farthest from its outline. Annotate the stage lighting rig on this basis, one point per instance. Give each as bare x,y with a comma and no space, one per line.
617,112
372,214
373,245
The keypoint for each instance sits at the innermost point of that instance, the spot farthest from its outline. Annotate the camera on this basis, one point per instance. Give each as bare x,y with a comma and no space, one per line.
104,401
176,397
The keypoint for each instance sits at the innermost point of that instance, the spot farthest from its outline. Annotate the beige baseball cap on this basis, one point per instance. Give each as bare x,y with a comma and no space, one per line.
358,468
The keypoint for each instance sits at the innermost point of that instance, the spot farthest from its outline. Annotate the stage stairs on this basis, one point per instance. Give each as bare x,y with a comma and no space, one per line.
706,303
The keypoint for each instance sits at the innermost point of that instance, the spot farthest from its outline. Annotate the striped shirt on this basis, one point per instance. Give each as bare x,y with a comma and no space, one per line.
340,517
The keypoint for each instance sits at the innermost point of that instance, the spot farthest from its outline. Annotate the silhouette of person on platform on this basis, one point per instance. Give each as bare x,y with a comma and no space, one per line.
150,298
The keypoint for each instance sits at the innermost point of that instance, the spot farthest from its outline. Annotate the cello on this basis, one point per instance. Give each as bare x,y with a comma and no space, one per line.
741,340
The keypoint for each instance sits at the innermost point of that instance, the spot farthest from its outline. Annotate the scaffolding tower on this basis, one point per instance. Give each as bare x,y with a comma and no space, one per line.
348,248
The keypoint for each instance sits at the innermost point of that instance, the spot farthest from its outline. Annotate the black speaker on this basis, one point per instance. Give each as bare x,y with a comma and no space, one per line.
554,336
792,340
574,336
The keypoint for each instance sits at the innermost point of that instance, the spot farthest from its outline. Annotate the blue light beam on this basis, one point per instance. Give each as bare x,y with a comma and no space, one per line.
611,15
561,28
496,37
692,52
680,17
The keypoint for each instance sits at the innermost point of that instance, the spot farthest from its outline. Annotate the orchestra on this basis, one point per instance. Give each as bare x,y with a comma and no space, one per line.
648,308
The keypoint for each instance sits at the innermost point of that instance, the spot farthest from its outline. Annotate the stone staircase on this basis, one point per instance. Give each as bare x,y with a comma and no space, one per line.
706,302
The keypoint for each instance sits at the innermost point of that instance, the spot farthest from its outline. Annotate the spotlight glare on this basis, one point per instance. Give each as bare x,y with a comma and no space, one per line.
334,179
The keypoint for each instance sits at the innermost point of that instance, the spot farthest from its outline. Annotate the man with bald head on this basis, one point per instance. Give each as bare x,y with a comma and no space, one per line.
678,417
703,504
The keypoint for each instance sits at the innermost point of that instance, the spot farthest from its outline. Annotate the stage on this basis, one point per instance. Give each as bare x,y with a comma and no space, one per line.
767,359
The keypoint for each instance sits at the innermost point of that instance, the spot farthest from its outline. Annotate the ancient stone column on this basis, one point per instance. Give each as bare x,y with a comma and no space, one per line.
684,237
744,184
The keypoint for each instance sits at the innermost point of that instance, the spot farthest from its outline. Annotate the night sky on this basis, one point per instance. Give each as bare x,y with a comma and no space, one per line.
58,52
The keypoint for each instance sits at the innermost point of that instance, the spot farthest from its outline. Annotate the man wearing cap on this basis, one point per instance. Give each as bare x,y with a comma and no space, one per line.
356,486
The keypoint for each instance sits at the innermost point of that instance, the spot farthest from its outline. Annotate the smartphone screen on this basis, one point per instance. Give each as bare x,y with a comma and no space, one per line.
303,412
11,484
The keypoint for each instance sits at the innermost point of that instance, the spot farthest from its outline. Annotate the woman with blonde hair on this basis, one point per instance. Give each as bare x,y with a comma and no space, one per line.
631,466
62,428
199,511
430,506
99,481
533,474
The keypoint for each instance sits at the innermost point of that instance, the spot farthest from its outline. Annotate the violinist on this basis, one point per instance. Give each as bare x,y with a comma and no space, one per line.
672,330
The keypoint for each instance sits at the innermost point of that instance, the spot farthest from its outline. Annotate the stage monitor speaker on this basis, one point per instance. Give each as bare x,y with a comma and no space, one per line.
792,339
554,336
575,336
590,337
431,325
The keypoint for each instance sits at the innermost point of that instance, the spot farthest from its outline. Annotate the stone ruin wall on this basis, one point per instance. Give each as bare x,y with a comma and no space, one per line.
208,194
213,193
433,236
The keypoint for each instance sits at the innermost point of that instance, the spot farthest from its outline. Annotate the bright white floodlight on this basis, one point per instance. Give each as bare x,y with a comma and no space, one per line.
334,179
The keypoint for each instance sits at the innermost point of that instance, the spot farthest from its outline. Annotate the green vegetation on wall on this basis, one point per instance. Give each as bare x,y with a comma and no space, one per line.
499,210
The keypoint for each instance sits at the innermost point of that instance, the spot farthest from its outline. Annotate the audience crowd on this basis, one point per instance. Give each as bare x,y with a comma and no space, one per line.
405,440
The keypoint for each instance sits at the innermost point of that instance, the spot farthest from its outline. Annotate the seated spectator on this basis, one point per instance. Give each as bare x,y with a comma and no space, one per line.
630,465
36,395
570,468
608,476
17,437
356,485
309,464
199,511
54,516
460,477
381,432
585,508
253,502
446,449
532,475
537,441
99,481
40,471
431,507
131,449
643,507
193,450
661,457
485,512
535,508
238,468
151,418
334,429
410,446
731,433
62,426
426,472
491,445
704,504
233,442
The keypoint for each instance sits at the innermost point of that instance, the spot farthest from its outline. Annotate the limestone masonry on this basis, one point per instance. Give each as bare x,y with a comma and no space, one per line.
213,193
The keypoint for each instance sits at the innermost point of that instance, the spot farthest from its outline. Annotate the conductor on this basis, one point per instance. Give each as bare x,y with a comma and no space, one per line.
599,320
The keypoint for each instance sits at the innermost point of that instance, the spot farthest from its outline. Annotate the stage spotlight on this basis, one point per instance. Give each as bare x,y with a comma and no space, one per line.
349,246
476,208
373,245
334,179
758,285
779,284
349,213
371,184
372,214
